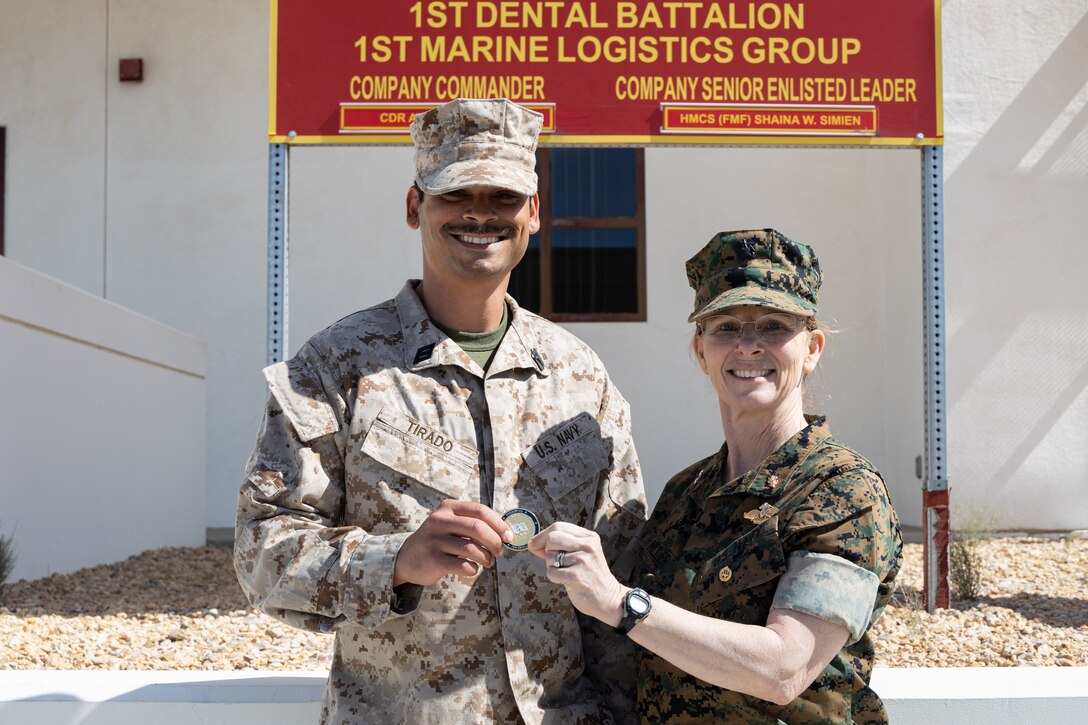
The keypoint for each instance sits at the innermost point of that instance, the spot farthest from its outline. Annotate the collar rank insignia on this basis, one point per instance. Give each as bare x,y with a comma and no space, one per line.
761,514
423,353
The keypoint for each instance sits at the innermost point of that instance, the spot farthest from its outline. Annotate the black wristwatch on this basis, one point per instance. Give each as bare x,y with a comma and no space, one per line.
636,605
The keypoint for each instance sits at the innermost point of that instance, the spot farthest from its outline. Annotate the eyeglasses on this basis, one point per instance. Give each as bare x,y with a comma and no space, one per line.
774,327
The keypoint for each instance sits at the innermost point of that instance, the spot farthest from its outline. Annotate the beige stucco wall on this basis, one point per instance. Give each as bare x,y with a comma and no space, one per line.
154,194
1016,174
102,428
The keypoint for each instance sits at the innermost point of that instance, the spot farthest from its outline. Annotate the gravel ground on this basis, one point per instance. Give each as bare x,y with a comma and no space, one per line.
181,609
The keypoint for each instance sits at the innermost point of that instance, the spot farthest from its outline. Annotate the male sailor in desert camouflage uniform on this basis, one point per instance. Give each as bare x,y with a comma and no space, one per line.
394,442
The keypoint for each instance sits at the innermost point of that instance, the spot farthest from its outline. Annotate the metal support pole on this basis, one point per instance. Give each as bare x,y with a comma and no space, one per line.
935,481
277,252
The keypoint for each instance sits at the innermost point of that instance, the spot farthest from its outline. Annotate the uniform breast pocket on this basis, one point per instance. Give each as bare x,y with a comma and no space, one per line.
567,461
735,581
420,453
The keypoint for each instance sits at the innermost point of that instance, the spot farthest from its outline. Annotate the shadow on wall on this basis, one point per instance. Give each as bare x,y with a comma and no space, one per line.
1018,336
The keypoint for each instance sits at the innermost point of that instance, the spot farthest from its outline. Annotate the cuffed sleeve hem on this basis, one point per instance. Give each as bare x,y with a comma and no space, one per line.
406,598
828,587
368,581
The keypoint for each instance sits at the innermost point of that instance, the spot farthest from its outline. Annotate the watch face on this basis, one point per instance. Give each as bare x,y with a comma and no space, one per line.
638,604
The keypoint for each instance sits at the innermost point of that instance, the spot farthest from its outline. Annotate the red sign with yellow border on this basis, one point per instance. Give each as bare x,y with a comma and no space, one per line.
645,72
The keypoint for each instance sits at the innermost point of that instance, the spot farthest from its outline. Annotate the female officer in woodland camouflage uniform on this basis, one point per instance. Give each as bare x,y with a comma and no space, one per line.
764,565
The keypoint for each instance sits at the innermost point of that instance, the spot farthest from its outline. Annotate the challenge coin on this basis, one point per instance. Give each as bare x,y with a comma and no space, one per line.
525,526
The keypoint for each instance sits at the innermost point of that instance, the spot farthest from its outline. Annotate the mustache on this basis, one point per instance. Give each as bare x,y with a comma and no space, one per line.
485,230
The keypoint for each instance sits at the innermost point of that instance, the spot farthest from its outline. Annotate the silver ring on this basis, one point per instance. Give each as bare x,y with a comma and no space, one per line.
559,559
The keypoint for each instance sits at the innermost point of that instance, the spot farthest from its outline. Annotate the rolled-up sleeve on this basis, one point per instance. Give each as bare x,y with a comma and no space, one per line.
830,588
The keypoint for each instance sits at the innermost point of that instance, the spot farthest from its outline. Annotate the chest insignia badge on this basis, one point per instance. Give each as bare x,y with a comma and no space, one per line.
761,514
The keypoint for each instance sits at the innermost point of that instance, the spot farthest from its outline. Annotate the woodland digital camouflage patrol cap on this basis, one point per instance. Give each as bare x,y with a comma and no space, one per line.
476,142
754,267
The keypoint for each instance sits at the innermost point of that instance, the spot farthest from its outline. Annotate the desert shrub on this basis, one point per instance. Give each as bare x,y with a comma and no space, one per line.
7,558
965,568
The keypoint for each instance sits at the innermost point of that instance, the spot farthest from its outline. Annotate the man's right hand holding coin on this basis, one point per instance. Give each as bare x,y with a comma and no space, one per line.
458,537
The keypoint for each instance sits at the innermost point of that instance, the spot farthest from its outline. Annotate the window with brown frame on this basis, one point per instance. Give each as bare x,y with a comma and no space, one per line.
588,261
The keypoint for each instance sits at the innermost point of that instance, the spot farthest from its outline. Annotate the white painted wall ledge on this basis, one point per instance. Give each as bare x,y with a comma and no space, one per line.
970,695
96,697
37,301
984,695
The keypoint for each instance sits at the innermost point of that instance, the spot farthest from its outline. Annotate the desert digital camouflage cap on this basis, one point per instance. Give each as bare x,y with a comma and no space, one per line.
754,267
470,142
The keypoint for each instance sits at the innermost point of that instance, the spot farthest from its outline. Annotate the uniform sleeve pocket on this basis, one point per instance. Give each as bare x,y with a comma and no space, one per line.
299,392
657,566
420,451
749,561
655,554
